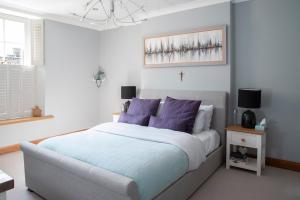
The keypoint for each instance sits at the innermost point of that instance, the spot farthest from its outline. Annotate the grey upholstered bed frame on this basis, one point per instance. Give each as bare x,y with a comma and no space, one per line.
57,177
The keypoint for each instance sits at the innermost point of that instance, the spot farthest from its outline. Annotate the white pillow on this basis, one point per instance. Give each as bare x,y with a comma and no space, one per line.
203,118
161,104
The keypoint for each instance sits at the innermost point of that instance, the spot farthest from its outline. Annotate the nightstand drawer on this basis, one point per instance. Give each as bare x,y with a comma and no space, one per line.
243,139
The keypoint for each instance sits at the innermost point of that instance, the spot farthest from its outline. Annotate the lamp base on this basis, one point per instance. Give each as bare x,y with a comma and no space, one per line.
248,119
126,106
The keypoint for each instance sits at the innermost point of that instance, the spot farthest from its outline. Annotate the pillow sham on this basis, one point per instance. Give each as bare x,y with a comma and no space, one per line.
203,118
161,104
143,106
208,109
172,124
182,110
134,119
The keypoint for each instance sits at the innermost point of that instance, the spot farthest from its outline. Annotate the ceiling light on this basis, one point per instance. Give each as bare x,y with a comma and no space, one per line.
112,12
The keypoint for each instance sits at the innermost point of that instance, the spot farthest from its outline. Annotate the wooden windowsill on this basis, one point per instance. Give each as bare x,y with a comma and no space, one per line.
25,119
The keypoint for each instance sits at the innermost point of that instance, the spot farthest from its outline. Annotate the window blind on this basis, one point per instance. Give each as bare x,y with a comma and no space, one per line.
17,90
28,90
14,91
3,92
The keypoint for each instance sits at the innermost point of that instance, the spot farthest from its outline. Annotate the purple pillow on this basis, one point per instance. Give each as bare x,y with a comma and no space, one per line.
183,110
173,124
134,119
143,106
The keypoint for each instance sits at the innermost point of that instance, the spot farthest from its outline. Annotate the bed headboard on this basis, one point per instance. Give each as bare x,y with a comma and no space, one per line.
216,98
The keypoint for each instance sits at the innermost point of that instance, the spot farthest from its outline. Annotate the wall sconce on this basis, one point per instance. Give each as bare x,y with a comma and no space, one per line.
99,77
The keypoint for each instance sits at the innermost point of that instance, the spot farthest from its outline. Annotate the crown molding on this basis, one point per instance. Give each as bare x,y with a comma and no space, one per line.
183,7
34,14
151,14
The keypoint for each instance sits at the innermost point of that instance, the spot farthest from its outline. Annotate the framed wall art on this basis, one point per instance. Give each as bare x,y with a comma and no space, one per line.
206,46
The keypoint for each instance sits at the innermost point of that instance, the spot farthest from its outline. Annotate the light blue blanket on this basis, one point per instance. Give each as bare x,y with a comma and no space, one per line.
152,165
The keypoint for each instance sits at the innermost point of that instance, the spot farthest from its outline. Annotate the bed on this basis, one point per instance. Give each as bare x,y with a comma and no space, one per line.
57,176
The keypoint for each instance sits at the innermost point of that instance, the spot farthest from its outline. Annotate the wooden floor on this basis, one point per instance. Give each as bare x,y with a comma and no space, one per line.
234,184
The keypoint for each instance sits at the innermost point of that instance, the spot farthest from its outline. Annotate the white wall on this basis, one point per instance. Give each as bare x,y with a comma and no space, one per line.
122,64
121,56
196,77
71,57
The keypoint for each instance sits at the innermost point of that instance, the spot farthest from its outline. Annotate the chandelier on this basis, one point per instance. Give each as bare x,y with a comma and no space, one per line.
112,12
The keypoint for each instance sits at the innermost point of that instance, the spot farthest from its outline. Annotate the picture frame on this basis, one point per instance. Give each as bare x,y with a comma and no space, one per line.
204,46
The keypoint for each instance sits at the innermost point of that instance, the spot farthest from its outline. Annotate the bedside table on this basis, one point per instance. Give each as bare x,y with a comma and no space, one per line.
116,116
237,135
6,183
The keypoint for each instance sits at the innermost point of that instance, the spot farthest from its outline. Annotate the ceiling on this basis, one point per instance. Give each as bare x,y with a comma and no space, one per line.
60,10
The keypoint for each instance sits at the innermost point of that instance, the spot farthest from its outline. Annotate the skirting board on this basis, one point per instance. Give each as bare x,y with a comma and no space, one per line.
9,149
284,164
16,147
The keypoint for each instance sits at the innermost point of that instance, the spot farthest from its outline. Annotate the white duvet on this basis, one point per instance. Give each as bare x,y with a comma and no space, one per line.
193,147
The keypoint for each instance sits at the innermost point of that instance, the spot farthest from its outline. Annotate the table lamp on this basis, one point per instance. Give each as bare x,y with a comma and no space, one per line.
249,98
127,92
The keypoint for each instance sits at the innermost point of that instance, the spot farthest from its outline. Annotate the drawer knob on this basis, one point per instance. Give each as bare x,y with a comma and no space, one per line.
243,140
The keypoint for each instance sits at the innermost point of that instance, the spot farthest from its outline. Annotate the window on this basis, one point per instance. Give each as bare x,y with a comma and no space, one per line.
13,44
21,50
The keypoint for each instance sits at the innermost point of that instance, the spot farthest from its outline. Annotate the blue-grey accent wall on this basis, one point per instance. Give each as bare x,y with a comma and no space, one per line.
267,56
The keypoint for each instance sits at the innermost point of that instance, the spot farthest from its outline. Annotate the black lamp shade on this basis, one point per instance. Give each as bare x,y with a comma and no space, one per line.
249,98
128,92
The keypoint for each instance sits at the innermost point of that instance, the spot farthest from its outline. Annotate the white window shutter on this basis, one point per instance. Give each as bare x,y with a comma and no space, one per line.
37,42
28,90
15,91
3,92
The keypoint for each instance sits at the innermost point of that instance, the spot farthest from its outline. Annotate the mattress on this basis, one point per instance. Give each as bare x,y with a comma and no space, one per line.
210,139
